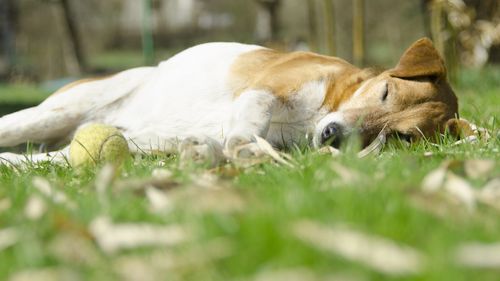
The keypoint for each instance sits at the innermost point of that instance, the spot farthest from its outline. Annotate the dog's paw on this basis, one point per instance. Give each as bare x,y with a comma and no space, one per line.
236,140
201,151
247,150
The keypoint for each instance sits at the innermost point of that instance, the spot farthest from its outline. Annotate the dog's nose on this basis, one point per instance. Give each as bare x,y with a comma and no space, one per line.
332,135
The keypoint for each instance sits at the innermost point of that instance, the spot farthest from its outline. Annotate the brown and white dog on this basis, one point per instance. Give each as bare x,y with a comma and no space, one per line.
226,93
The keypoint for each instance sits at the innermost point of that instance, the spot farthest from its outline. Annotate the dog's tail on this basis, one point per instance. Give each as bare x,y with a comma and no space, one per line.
55,120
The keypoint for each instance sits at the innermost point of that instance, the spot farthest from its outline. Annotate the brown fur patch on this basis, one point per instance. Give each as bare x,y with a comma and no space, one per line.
286,73
343,87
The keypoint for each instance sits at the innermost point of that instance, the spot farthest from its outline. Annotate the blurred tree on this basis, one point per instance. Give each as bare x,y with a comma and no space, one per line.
8,19
147,32
330,27
267,24
313,27
358,29
74,34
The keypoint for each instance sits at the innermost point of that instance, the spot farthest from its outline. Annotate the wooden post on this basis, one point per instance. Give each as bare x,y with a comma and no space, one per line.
313,27
358,21
147,33
329,17
74,34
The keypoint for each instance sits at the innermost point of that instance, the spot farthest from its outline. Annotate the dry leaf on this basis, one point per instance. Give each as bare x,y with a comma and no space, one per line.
158,200
460,189
114,237
347,175
301,274
380,254
5,204
162,174
434,180
216,200
479,255
140,185
63,247
35,208
477,169
58,197
490,194
329,150
105,178
269,150
8,237
469,139
46,274
376,146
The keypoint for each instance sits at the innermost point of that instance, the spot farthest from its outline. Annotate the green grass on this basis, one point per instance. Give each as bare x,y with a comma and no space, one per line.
21,93
255,237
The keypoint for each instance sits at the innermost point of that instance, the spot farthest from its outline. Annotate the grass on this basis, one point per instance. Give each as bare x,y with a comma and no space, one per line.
243,228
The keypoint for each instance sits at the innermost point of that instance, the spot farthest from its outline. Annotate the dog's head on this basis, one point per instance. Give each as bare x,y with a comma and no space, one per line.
412,101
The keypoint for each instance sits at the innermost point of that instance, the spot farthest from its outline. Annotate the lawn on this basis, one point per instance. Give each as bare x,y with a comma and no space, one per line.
326,218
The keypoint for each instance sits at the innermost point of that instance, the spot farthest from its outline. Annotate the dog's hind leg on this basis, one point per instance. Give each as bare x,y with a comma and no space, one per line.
39,125
54,120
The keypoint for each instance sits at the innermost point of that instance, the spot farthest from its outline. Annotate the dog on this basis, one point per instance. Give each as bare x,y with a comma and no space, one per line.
228,93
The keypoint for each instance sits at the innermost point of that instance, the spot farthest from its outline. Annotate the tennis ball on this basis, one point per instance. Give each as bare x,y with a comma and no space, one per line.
97,143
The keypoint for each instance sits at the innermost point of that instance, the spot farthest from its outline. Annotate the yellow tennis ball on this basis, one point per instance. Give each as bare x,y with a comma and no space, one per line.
98,143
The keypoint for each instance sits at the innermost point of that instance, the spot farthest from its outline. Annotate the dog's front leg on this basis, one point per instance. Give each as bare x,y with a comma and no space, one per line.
251,115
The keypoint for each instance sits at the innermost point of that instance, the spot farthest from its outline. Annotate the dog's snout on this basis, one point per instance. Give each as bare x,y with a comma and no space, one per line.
332,135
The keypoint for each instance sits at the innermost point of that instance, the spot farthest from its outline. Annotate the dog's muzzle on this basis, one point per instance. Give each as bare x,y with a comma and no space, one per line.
332,135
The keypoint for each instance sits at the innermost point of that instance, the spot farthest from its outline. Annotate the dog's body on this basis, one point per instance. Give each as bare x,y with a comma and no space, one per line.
229,92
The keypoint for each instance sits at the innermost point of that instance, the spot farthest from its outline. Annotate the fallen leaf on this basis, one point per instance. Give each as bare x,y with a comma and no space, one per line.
8,237
162,174
434,180
35,208
213,200
114,237
5,204
269,150
490,194
376,146
477,169
301,274
328,150
347,175
379,254
158,200
479,255
63,248
46,274
58,197
460,189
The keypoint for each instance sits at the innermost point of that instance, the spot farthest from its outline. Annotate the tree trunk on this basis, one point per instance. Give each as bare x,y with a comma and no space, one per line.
358,44
267,25
313,27
7,22
330,28
74,34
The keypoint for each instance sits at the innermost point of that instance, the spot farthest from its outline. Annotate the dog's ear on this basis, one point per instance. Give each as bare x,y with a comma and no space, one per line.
459,128
420,60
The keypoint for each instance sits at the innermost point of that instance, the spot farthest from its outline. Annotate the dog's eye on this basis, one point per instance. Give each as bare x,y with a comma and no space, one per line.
385,93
